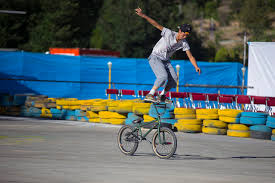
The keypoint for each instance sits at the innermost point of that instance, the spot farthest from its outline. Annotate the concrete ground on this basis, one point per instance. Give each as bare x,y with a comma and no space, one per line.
35,150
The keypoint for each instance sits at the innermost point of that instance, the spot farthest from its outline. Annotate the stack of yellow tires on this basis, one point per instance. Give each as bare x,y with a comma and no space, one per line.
86,104
211,124
111,117
99,105
207,114
186,120
68,104
141,108
214,127
136,109
232,117
238,130
112,105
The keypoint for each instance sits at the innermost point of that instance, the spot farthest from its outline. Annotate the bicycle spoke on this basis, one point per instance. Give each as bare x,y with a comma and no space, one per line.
127,140
164,143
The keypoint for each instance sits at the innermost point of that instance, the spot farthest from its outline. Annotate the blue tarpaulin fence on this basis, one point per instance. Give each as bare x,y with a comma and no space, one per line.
87,77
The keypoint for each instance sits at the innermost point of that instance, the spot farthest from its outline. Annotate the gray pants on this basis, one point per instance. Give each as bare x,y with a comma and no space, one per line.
163,71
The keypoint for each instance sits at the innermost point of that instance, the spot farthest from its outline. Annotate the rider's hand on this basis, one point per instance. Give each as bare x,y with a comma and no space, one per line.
139,12
198,70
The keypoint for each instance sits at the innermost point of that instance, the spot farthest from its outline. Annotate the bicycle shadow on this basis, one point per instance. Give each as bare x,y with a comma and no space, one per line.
199,157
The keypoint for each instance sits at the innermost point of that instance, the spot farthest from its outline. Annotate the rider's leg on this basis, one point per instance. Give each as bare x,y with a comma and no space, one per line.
172,76
160,71
172,81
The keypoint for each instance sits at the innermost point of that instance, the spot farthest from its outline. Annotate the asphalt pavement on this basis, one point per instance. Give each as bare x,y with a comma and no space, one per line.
37,151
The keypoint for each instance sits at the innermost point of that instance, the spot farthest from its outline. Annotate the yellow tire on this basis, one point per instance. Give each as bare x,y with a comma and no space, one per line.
141,110
191,128
86,102
125,107
214,123
113,103
59,107
39,105
214,131
207,116
46,113
112,108
190,121
66,102
91,114
233,113
117,121
147,118
181,111
98,108
206,111
112,121
236,133
85,107
73,107
185,116
229,119
52,99
111,115
105,120
145,105
69,99
100,103
94,120
178,126
239,127
73,102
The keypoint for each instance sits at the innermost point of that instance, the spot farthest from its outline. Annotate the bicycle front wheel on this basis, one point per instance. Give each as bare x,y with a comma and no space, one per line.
164,143
127,140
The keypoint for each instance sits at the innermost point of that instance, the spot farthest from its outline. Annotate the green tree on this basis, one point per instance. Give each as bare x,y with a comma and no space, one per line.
13,30
211,9
227,55
64,23
254,17
119,28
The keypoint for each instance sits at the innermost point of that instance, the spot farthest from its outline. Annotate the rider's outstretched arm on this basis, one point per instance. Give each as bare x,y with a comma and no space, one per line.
150,20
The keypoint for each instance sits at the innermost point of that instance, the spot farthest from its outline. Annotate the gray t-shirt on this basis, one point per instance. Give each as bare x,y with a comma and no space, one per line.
168,44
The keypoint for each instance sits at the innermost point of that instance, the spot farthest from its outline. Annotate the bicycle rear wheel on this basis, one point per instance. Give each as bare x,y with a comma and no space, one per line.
127,140
164,143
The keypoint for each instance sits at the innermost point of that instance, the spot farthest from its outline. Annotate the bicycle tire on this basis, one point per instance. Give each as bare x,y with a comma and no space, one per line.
130,137
155,141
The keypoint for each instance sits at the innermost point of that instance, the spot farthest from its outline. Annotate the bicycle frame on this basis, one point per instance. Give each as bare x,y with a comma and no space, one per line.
158,124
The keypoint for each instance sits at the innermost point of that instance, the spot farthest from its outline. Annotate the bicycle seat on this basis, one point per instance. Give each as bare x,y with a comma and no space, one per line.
139,120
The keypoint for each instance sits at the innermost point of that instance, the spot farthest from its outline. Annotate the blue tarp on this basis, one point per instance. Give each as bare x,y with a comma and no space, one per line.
87,77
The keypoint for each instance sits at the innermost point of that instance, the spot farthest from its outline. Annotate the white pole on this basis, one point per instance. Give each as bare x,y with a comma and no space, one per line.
178,74
110,69
244,61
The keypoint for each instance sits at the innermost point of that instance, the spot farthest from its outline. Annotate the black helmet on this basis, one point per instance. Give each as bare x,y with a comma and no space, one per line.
185,28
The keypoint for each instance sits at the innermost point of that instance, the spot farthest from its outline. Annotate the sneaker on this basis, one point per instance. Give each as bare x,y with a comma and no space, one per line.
150,98
163,98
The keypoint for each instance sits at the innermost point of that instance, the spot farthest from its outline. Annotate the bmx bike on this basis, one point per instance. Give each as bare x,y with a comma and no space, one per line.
164,141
